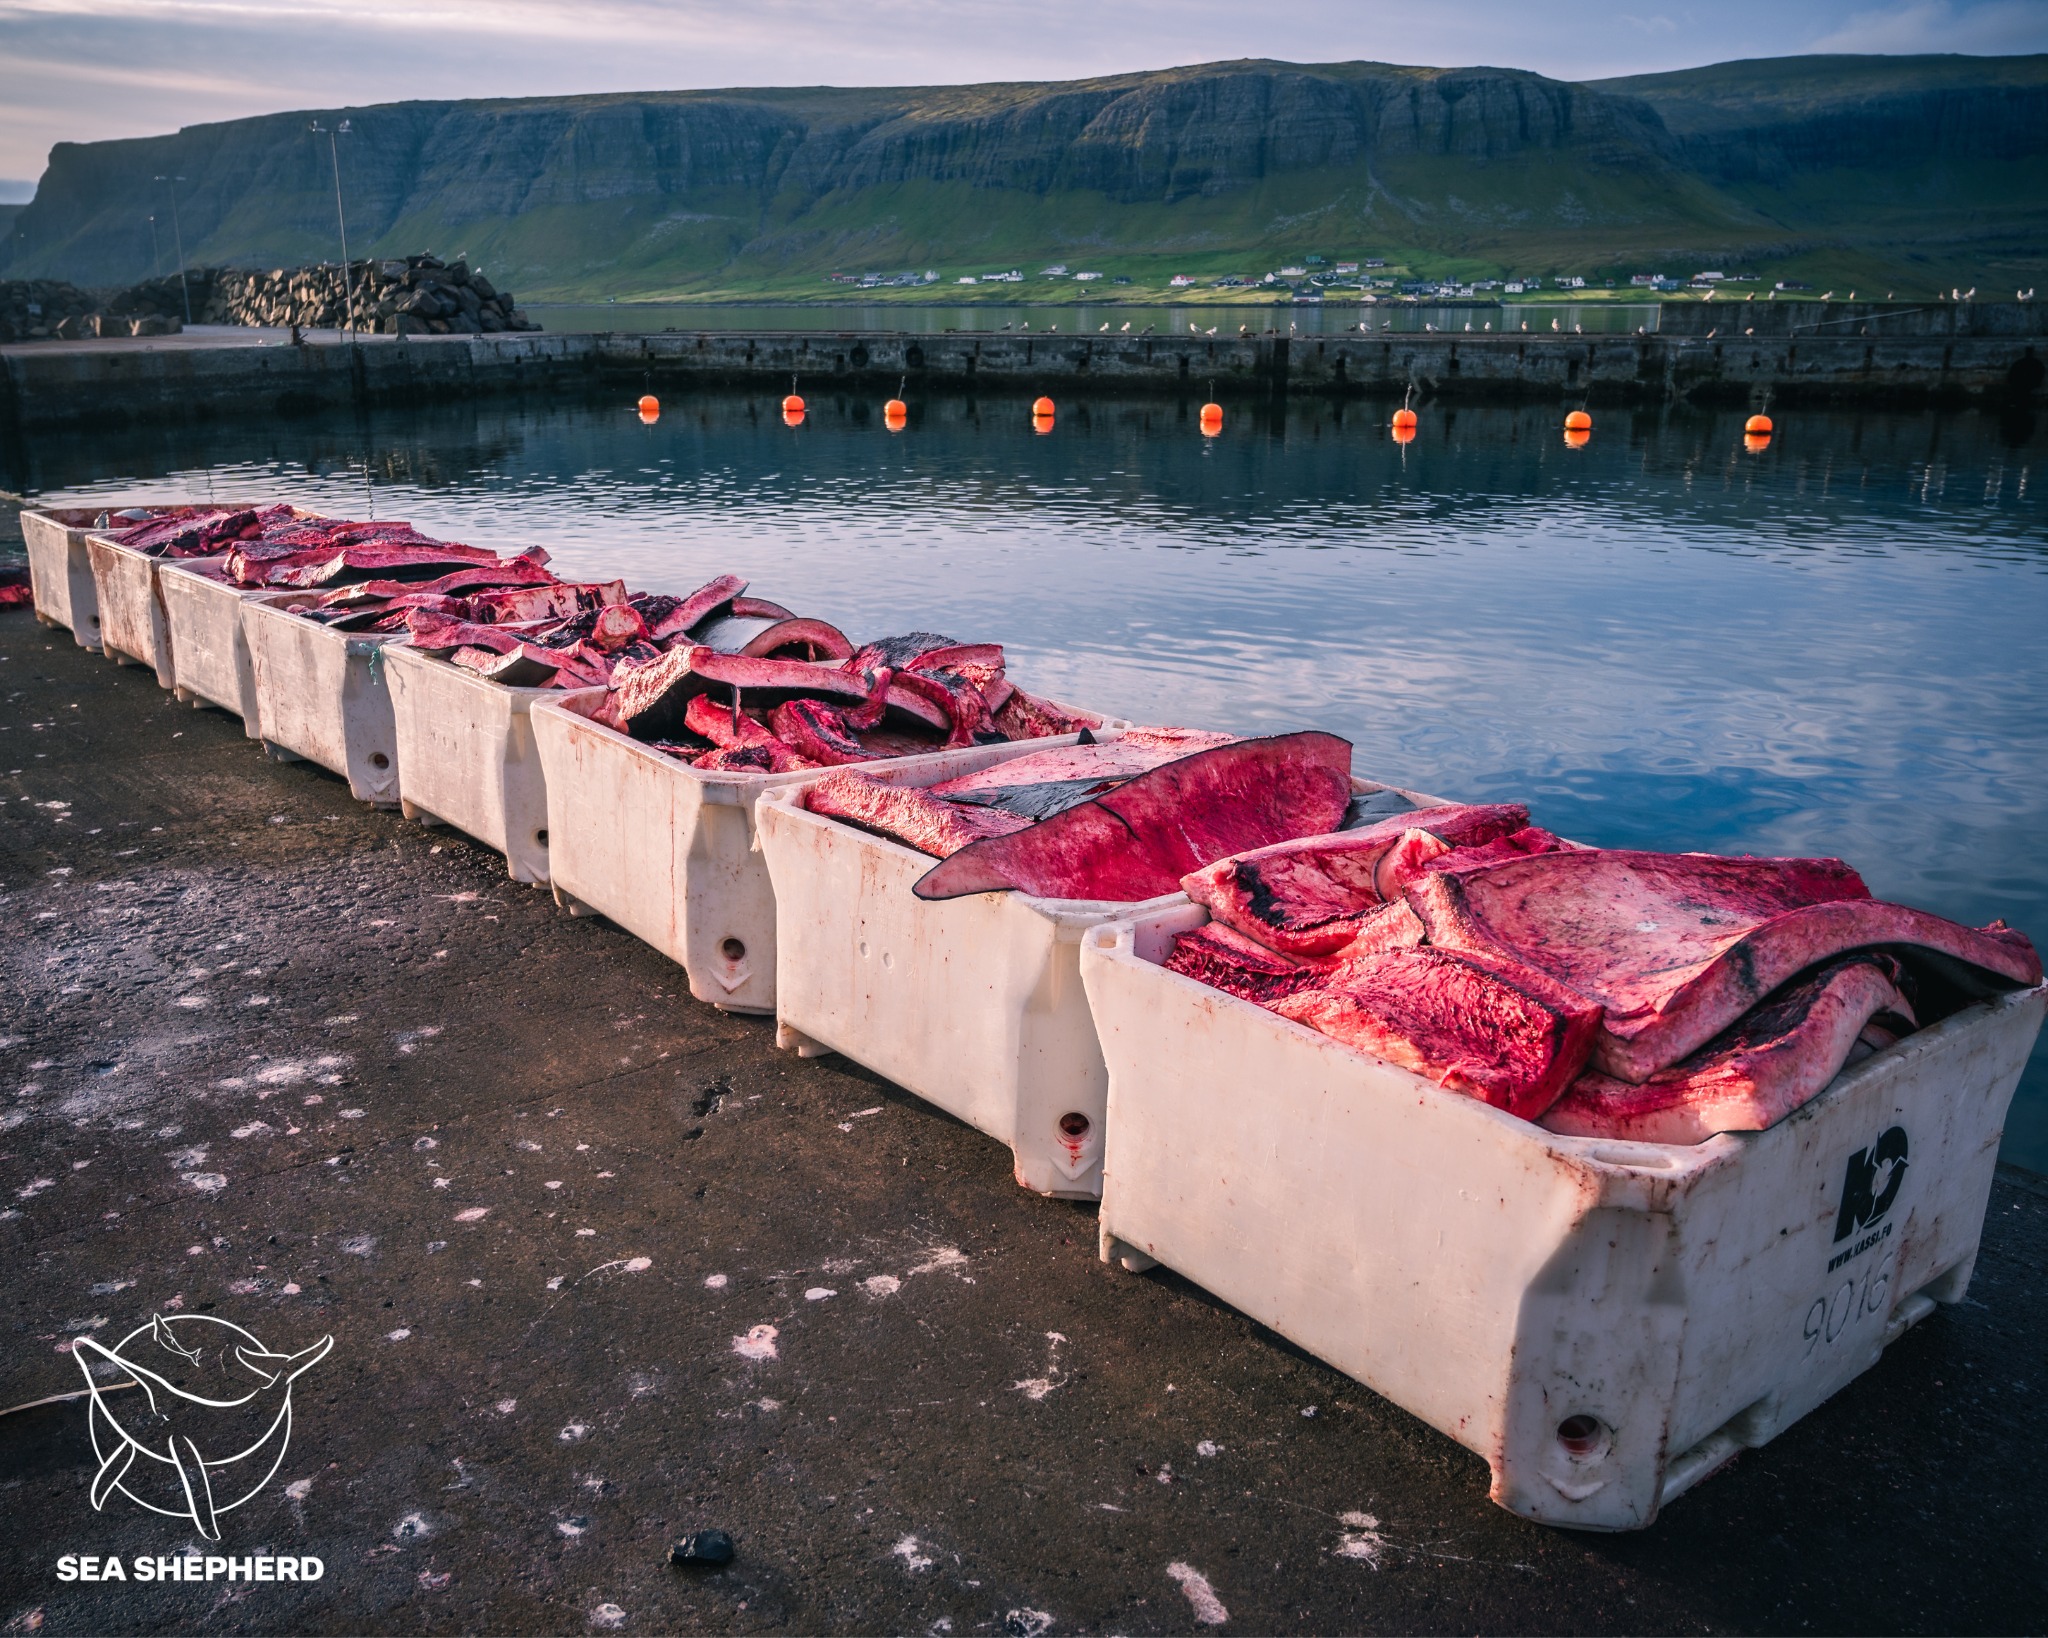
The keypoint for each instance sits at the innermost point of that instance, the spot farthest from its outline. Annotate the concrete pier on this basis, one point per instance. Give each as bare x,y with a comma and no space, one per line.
1760,356
272,1056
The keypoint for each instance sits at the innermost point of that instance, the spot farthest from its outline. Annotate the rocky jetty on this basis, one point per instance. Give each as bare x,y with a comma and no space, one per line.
48,309
418,296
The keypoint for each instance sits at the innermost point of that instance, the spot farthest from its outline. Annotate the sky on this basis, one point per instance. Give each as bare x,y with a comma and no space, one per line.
84,70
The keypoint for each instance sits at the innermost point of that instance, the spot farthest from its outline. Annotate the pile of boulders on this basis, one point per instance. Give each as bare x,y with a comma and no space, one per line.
50,310
418,296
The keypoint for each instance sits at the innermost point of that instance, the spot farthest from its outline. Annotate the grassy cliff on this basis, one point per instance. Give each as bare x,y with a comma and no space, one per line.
1914,173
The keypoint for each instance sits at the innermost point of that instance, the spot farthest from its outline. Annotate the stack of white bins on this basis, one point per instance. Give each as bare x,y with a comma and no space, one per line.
60,568
669,852
323,695
975,1003
1605,1323
467,757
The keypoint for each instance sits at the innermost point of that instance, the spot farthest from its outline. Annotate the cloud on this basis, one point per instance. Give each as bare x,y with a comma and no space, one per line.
1994,28
85,70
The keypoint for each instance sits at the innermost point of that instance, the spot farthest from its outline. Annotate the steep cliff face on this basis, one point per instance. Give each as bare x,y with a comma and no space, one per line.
669,190
1769,120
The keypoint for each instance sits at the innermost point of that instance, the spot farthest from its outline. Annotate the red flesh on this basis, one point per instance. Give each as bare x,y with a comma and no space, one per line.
699,606
1752,1075
1226,960
816,731
1677,946
905,813
1310,897
1503,1034
1139,840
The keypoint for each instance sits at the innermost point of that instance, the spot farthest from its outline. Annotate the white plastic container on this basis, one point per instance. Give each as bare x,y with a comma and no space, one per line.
1605,1323
131,609
467,758
60,569
667,851
322,694
209,648
975,1004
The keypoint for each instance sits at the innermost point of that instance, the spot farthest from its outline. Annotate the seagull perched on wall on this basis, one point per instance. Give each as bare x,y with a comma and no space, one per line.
1148,329
1105,327
1126,328
1827,295
1578,329
1427,325
1005,327
2024,295
1468,327
1194,329
1386,324
1555,325
1244,329
1970,294
1210,331
1713,332
1525,326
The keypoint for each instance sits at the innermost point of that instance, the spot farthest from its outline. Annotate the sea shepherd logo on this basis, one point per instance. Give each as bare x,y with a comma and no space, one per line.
1869,1187
235,1400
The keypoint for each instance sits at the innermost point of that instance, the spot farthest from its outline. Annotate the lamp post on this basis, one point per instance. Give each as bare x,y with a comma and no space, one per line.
348,283
178,239
156,259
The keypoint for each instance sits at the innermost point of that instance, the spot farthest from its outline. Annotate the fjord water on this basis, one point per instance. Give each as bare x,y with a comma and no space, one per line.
1832,645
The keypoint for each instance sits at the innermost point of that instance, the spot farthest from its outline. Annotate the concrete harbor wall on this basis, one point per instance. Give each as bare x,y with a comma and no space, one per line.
54,384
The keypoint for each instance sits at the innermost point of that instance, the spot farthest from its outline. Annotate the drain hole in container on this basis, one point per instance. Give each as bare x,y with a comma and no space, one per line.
541,837
1581,1435
1074,1125
733,950
379,760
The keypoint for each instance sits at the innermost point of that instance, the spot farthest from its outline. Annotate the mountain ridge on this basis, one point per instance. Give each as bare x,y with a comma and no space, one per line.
1907,168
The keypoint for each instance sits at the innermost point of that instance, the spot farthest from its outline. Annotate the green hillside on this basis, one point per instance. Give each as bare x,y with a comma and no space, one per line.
1915,173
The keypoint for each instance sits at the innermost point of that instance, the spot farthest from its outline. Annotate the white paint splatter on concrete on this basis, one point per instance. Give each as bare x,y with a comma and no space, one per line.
357,1245
505,1407
1037,1387
573,1432
1207,1606
881,1285
1208,1447
299,1489
1026,1623
914,1560
818,1293
204,1182
472,1214
1361,1540
941,1258
399,1335
607,1617
714,1282
757,1344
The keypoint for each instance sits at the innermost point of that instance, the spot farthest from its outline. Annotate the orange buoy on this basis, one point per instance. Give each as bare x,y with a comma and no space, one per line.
1404,418
1578,421
1042,407
1577,437
1754,441
1759,424
895,410
792,405
793,417
1403,434
650,406
1212,419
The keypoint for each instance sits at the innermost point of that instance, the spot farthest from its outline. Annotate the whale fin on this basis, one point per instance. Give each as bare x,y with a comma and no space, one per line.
165,1339
271,1366
198,1489
148,1380
112,1471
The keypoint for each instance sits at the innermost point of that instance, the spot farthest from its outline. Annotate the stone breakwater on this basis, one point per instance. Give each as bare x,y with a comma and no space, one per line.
56,386
416,296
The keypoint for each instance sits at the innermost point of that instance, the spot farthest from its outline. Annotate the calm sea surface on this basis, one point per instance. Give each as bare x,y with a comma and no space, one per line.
1836,645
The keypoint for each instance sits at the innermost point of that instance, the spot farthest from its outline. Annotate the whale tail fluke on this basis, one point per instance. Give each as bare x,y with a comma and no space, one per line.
163,1336
288,1366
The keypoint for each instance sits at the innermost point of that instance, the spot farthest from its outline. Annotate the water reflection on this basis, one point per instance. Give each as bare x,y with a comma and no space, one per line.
1833,644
